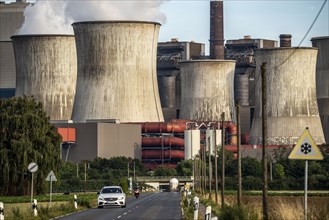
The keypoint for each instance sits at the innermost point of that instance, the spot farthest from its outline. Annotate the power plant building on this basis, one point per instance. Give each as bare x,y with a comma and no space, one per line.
168,72
123,89
100,139
11,18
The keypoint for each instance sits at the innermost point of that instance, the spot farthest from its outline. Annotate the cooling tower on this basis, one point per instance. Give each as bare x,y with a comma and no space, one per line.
291,96
46,68
167,91
241,89
322,81
207,90
117,71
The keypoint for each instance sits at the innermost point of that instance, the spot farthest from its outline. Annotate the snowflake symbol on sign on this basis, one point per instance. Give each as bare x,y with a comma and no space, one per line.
306,148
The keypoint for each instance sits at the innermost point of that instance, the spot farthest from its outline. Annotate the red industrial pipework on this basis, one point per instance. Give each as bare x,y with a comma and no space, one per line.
174,126
159,154
165,141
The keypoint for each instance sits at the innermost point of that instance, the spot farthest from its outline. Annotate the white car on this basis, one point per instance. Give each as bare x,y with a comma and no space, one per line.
111,196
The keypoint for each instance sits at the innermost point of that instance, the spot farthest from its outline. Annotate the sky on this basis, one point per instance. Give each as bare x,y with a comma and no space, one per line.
188,20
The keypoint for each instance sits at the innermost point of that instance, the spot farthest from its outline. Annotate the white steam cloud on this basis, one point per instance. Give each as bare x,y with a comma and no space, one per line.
56,17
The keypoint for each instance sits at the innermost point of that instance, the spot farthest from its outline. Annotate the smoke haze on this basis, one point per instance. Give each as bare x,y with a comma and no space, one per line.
56,17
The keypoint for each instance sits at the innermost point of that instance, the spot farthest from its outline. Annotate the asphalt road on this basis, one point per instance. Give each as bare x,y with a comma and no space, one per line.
160,205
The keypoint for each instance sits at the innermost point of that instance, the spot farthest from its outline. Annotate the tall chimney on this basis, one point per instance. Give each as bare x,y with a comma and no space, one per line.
285,40
216,30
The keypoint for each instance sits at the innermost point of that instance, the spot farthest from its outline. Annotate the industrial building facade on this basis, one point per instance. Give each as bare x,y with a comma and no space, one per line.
99,139
11,18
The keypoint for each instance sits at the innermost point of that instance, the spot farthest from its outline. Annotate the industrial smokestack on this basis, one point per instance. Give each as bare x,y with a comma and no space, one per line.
46,68
291,96
216,30
199,100
117,71
285,40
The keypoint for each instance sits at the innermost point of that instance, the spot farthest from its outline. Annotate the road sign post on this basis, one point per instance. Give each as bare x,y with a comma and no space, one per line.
51,177
32,167
306,149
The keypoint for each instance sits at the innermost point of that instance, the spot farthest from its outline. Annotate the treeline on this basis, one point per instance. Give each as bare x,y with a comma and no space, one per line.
283,173
93,175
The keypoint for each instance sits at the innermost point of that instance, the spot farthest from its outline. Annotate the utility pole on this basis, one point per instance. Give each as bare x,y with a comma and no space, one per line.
85,171
78,170
196,174
200,172
264,138
239,153
210,166
223,159
134,172
216,169
204,170
128,171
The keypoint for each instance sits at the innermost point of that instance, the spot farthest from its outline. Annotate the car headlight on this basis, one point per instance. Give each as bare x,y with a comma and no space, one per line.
122,197
100,198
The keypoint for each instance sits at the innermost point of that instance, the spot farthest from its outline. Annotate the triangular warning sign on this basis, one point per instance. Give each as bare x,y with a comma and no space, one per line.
51,176
306,149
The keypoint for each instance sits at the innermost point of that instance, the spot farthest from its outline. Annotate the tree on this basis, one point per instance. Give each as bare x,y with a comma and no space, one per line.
164,171
278,171
25,136
185,168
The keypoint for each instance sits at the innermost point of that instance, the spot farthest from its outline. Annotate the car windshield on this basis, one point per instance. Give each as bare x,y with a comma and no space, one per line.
111,190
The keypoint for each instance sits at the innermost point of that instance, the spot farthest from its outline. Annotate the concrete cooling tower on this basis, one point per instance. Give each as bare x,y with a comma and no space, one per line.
117,71
291,96
207,90
322,81
46,68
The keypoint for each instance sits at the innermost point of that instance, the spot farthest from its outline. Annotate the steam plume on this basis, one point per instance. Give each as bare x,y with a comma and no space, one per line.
56,17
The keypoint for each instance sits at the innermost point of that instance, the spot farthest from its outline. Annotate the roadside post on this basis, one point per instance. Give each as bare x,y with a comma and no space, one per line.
196,207
2,212
75,202
208,213
32,167
130,184
51,177
306,149
35,207
189,195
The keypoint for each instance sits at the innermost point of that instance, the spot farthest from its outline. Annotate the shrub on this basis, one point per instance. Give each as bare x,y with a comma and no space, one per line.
236,213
